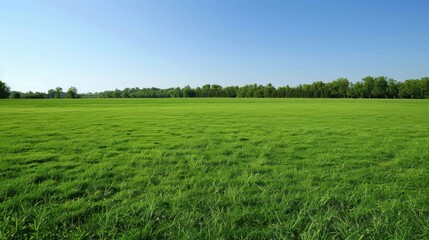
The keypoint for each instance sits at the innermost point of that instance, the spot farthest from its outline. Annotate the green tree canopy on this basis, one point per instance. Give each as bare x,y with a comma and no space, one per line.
4,90
58,92
72,92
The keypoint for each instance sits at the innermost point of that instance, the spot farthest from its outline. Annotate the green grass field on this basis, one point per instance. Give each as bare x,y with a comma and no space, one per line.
214,169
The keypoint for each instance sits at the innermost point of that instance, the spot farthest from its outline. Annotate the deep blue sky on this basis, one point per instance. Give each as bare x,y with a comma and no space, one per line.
100,45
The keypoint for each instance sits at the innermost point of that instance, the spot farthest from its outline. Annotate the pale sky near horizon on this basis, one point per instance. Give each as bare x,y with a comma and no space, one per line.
99,45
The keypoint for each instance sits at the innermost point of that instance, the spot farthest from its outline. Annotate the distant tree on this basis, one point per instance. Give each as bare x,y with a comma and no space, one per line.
198,92
51,93
58,92
410,89
368,86
392,88
351,91
205,90
288,91
126,93
242,92
297,91
359,89
258,93
230,92
343,85
33,95
281,93
215,90
306,91
269,91
173,92
4,90
251,90
424,87
318,89
116,94
188,92
72,92
15,95
178,92
379,89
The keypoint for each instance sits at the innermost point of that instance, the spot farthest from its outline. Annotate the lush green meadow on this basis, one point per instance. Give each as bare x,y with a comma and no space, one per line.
214,169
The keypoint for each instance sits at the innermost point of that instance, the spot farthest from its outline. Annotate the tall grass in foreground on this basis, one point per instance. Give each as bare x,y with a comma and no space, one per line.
214,169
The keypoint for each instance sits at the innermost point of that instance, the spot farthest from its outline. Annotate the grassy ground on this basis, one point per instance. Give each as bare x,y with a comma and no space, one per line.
214,168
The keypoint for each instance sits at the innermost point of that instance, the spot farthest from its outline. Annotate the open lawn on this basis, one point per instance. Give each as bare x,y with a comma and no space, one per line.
214,169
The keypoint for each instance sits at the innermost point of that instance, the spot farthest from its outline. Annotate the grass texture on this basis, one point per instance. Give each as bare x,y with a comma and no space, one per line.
214,169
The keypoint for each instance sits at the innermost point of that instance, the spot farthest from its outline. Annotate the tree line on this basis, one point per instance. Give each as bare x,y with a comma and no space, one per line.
368,87
52,93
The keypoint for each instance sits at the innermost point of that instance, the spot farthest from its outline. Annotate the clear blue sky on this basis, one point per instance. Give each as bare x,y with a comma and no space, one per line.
99,45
